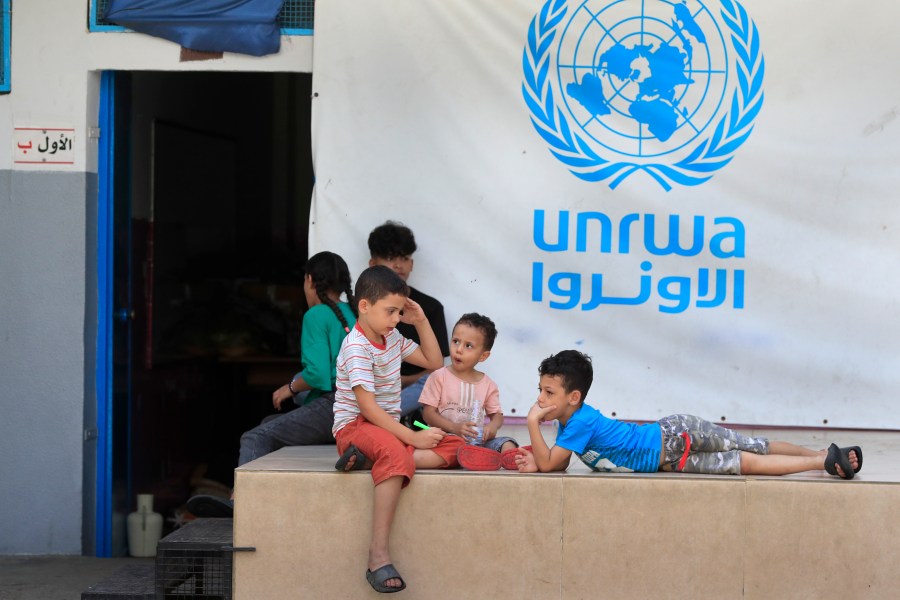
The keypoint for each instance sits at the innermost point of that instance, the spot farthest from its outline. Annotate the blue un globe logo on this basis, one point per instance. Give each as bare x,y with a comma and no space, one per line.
668,88
642,83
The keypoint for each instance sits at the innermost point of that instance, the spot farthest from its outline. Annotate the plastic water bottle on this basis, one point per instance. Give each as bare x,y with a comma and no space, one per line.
477,415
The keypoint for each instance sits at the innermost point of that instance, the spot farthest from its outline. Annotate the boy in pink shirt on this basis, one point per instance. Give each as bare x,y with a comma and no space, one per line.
457,396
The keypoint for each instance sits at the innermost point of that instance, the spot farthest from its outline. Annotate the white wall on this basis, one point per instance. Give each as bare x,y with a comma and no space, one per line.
47,264
53,56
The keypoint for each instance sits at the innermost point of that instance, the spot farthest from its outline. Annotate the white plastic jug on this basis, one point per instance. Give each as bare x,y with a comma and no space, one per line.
144,528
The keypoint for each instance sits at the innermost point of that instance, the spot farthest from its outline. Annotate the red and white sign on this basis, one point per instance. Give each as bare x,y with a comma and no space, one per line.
44,146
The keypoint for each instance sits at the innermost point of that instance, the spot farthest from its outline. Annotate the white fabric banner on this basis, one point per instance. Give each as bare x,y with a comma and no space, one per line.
700,195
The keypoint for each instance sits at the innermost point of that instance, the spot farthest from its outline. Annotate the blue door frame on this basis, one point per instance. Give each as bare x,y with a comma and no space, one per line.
103,383
113,378
104,371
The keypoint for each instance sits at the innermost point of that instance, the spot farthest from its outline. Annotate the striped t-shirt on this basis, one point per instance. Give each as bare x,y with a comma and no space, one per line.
374,367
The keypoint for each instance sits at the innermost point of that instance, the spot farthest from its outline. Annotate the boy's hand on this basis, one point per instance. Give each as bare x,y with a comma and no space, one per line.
537,413
280,395
466,430
412,313
490,431
426,439
525,461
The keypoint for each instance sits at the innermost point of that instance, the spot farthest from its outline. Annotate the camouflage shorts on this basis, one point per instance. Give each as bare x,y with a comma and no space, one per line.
714,449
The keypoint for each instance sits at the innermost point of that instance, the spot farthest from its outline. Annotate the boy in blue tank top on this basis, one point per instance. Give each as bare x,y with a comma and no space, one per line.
682,443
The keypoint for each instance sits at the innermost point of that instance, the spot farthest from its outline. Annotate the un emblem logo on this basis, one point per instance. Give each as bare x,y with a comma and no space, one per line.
666,88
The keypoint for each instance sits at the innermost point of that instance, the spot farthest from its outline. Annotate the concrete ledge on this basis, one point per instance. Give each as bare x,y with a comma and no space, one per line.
573,535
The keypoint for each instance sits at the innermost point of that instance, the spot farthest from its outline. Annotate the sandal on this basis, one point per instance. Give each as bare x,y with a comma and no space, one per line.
379,576
841,458
345,458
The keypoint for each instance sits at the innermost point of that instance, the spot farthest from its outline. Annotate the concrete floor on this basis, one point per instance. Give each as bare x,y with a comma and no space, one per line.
65,577
55,577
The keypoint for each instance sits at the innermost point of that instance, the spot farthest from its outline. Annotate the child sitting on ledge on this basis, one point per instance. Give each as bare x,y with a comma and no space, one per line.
457,396
367,408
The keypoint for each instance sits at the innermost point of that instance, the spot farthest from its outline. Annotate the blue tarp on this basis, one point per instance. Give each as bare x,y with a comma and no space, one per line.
244,26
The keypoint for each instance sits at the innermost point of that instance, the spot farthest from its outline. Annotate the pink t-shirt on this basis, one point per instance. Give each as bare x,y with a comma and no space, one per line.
454,397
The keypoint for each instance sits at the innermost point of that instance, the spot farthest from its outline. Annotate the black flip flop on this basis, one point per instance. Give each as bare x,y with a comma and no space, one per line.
840,457
345,458
213,507
379,576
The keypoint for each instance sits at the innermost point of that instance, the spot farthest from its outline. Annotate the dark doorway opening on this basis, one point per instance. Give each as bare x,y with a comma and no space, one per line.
212,207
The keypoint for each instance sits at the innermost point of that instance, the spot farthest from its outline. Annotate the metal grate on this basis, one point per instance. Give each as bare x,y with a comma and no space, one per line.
100,7
98,23
295,18
195,562
5,24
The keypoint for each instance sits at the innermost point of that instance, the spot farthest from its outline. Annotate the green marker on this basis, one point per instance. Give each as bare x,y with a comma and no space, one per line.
422,425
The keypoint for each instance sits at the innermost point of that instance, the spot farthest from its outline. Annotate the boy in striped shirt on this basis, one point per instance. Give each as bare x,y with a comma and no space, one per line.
367,407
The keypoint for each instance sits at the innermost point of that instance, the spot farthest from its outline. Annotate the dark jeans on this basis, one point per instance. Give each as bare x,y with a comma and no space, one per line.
306,425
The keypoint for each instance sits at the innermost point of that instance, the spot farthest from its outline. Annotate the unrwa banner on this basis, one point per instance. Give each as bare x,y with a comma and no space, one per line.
701,195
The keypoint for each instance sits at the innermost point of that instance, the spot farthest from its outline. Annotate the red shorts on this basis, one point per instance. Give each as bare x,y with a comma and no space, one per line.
390,456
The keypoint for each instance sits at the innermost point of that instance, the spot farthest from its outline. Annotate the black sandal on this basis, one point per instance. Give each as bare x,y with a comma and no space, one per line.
841,458
379,576
345,458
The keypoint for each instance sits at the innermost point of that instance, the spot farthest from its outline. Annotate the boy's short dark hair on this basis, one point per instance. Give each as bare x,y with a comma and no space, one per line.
572,367
390,240
377,282
482,324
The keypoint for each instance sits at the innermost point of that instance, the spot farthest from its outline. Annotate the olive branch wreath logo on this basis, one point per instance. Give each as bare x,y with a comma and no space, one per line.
708,156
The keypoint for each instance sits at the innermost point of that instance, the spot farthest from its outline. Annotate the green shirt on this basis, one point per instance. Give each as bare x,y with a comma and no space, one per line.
320,342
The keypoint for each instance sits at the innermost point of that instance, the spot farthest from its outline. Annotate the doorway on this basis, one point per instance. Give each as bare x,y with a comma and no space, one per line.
211,202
